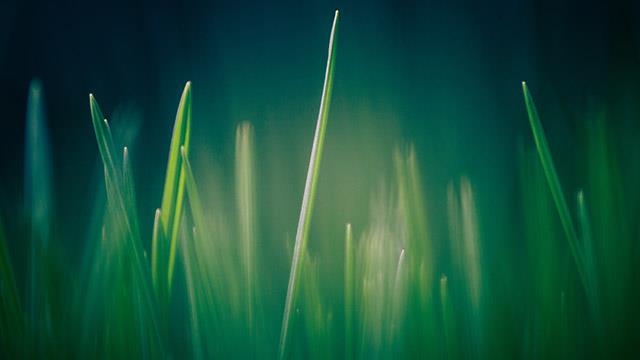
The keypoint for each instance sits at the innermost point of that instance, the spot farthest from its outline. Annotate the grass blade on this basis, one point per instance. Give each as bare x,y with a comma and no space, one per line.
37,165
349,287
37,180
155,243
309,190
245,203
553,181
448,321
173,193
121,217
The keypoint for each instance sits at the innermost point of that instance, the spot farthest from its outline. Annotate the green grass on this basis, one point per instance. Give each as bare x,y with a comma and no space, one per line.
302,232
421,274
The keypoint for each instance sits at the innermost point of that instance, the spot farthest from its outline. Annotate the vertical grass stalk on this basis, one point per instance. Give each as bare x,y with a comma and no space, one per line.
173,194
553,181
304,221
349,286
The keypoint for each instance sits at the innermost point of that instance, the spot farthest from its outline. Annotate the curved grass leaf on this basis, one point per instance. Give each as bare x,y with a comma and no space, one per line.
553,181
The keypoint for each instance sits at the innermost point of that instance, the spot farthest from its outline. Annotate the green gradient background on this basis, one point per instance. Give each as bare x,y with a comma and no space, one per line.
443,75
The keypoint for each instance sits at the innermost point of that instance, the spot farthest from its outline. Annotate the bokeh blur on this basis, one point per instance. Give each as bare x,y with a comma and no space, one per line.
444,76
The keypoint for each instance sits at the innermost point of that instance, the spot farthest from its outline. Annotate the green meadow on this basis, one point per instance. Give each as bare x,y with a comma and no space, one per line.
409,277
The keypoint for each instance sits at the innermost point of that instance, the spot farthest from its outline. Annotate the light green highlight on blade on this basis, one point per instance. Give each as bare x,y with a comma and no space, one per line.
349,286
552,180
192,190
155,243
304,221
172,196
121,219
246,204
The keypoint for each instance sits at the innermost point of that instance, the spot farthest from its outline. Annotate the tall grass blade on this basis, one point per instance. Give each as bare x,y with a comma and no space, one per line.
245,203
349,286
192,191
121,223
156,242
553,181
37,180
187,258
589,261
129,190
173,193
37,176
304,221
448,320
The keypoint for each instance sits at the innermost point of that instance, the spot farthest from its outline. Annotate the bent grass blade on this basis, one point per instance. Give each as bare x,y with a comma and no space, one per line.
553,182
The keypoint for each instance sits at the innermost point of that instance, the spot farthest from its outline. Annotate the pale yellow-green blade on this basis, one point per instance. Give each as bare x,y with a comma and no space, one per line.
172,196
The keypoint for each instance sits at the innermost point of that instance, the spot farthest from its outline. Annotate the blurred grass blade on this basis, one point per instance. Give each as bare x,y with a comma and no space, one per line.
447,319
155,243
187,259
471,247
37,175
104,139
173,193
589,261
192,191
121,220
245,203
553,181
37,180
309,190
129,192
349,287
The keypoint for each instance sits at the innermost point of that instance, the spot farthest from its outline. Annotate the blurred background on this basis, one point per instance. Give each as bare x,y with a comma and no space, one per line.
442,75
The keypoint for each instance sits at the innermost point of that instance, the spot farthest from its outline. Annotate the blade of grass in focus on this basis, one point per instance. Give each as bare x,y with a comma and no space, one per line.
122,255
553,181
304,221
172,196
